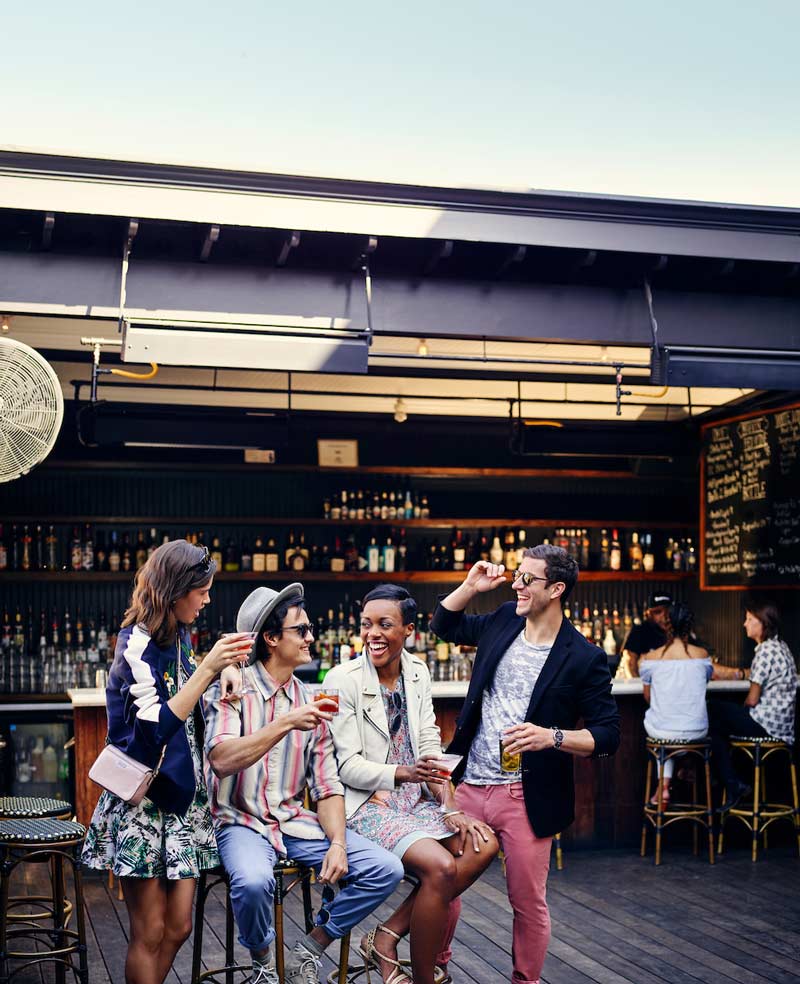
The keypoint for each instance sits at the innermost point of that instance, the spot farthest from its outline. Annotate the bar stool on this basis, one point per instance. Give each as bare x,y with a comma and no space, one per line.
661,815
56,842
763,812
288,875
33,808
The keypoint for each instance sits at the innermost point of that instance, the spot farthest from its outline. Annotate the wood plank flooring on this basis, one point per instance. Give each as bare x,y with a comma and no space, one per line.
617,919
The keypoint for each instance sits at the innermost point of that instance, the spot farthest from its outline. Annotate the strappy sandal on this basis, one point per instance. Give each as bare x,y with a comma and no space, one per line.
372,957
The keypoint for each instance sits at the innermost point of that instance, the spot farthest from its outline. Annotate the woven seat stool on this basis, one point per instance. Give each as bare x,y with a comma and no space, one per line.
662,815
763,812
288,875
57,842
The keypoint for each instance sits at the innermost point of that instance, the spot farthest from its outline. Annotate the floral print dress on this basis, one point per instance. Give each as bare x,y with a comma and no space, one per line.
144,842
395,820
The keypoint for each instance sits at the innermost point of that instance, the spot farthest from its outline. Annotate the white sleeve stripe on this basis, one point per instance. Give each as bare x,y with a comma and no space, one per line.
143,689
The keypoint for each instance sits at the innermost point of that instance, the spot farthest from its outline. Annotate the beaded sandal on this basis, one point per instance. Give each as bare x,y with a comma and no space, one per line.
372,957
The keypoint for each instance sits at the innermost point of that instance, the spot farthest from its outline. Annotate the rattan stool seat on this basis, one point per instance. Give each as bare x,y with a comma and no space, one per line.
766,740
13,807
40,831
681,742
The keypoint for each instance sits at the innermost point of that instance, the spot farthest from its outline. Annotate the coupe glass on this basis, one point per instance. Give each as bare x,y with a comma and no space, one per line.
248,641
446,765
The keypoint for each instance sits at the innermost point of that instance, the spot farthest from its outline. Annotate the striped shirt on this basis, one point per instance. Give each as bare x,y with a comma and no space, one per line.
268,796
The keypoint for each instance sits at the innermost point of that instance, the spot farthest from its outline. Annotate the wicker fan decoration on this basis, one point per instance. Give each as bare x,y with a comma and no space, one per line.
31,409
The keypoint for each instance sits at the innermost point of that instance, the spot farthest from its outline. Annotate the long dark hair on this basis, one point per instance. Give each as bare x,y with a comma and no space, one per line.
171,572
766,611
678,624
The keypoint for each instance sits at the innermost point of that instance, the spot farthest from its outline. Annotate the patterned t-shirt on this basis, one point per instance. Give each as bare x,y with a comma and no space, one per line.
774,670
505,704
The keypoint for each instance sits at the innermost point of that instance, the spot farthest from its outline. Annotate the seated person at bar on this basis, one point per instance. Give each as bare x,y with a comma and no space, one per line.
769,707
261,748
651,634
387,743
674,678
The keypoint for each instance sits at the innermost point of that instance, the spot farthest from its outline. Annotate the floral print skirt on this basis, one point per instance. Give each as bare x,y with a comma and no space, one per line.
144,842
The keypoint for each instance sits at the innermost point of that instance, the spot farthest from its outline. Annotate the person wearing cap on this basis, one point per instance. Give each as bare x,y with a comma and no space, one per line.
651,634
534,677
262,748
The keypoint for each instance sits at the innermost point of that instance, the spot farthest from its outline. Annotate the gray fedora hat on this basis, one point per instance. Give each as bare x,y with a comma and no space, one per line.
259,604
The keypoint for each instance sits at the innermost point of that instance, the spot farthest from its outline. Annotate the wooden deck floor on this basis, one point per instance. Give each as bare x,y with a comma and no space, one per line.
616,920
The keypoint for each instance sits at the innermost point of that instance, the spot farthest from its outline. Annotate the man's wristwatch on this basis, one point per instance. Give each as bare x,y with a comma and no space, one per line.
558,737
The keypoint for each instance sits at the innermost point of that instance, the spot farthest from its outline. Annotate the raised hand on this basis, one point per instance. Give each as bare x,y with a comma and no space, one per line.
484,576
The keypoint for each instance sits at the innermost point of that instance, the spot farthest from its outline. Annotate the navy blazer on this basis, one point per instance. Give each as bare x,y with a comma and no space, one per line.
574,685
139,721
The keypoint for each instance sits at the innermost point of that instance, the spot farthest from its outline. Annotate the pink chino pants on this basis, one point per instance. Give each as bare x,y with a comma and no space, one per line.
527,864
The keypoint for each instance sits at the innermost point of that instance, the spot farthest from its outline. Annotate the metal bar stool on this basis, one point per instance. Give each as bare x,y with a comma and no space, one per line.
57,842
34,808
288,875
763,812
661,815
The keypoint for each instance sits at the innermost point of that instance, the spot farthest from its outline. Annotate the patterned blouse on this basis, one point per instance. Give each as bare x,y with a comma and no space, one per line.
773,669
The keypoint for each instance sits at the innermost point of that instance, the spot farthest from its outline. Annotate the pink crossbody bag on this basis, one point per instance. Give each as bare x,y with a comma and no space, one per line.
122,775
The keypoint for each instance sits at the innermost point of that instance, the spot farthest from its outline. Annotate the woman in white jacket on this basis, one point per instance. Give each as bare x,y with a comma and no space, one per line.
387,742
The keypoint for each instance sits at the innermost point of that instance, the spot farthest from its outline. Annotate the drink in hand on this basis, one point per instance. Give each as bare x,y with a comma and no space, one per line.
508,762
327,697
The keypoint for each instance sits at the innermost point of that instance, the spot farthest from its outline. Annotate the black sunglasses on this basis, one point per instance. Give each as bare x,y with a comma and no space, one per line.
204,563
397,714
301,630
527,578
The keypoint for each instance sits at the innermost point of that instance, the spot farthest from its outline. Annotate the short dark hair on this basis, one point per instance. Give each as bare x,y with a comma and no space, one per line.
558,565
401,597
274,623
766,611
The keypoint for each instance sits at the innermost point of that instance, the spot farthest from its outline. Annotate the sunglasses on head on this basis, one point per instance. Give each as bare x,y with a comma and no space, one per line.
204,564
527,578
301,630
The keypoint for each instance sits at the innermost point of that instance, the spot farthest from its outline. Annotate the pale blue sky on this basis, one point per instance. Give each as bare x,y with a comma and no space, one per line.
684,100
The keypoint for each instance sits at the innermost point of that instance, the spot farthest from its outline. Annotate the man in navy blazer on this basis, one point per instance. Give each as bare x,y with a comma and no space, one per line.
535,678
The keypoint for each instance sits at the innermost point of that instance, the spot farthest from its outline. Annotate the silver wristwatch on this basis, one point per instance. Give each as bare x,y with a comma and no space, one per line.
558,737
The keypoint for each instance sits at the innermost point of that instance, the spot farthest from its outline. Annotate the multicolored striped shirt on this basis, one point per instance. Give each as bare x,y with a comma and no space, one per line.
268,796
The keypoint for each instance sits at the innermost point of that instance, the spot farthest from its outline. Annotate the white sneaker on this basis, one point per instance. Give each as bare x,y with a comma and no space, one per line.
302,967
265,973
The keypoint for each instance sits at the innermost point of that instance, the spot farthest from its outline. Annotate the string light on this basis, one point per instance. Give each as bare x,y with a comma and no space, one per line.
400,414
422,348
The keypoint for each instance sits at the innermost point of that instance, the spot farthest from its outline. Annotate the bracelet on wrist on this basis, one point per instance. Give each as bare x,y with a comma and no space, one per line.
451,813
339,844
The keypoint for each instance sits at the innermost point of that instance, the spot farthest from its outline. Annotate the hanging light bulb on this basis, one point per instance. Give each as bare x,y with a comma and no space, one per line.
422,348
400,414
4,326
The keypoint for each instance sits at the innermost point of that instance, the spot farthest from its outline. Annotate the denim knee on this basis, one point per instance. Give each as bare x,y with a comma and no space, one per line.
253,885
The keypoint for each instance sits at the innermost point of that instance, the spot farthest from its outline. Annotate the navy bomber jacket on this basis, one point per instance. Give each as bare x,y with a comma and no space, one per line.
139,721
574,685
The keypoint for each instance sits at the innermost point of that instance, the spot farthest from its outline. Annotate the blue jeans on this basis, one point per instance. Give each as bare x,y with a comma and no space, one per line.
249,860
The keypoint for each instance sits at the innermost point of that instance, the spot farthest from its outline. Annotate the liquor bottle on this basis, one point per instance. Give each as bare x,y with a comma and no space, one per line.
127,553
510,550
361,509
459,551
87,549
615,554
521,546
417,507
690,557
296,560
425,509
669,550
373,556
13,558
609,642
648,558
39,557
402,552
344,508
586,544
4,550
289,550
392,505
152,543
677,556
635,553
303,548
216,552
483,546
388,556
586,623
337,563
326,509
114,556
351,559
75,550
100,551
231,557
336,506
408,506
605,551
259,556
141,550
496,551
247,556
271,558
597,626
26,559
384,505
573,548
376,505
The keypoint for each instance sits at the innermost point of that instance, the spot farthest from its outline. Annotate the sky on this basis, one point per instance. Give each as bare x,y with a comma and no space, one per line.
686,100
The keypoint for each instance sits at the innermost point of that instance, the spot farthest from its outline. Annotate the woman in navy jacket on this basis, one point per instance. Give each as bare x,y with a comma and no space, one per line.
158,848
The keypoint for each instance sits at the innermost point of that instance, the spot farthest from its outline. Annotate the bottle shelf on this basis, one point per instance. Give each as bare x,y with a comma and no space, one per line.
302,521
430,577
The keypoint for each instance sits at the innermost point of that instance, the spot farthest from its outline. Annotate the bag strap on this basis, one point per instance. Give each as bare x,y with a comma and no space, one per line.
160,760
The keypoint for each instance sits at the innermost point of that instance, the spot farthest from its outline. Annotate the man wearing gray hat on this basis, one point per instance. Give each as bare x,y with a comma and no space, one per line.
263,747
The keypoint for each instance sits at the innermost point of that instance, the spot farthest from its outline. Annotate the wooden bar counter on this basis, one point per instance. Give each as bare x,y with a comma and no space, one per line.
608,792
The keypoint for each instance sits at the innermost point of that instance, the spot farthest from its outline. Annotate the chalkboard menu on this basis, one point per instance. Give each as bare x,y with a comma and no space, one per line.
750,501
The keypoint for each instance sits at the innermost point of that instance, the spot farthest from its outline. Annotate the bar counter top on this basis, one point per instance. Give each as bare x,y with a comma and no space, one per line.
93,697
